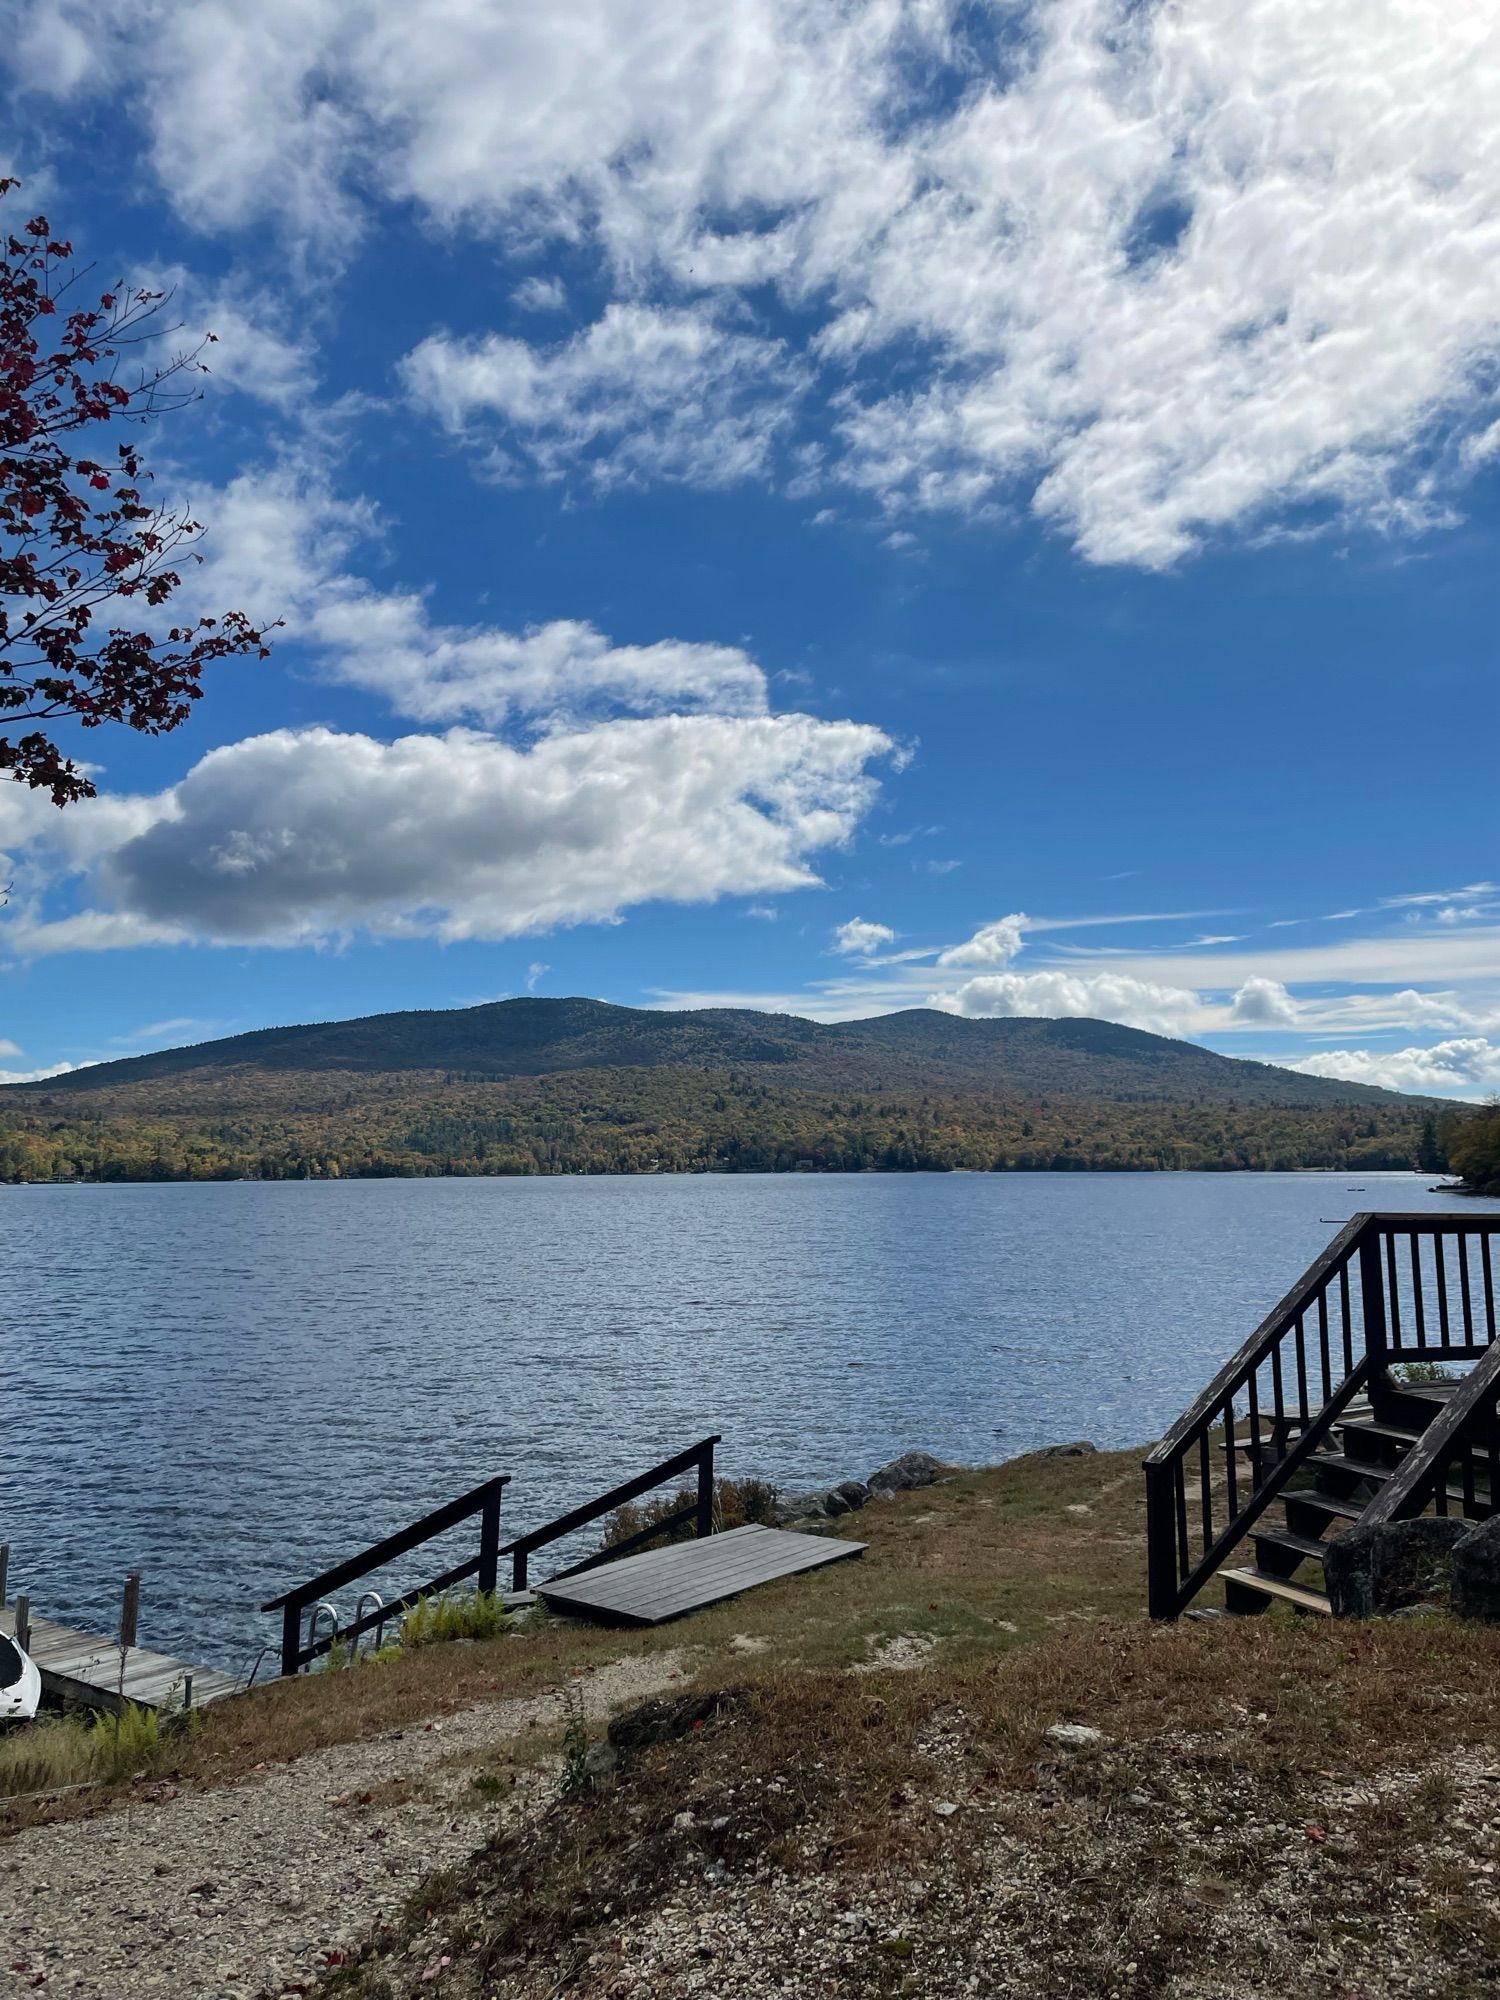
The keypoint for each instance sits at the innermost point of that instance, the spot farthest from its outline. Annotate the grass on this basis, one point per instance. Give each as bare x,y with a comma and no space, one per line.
58,1752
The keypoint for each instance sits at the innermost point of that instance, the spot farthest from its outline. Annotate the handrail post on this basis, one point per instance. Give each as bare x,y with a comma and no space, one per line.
489,1542
291,1635
1372,1296
518,1569
706,1490
1161,1544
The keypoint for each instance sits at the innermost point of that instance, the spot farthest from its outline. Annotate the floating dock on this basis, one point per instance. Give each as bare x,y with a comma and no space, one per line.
686,1576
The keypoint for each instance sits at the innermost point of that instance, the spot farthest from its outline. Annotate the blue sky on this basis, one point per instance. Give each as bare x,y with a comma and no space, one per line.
824,508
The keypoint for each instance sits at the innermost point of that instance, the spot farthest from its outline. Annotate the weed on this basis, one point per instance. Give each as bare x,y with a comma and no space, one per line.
575,1744
1422,1371
470,1614
61,1751
737,1504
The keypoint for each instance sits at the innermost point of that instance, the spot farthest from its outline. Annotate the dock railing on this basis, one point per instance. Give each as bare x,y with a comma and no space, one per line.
297,1652
699,1510
1390,1288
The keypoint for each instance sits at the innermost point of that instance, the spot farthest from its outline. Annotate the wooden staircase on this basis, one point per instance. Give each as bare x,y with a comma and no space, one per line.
1315,1424
1337,1486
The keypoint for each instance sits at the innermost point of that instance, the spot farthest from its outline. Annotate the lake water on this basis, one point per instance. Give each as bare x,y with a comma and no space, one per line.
230,1387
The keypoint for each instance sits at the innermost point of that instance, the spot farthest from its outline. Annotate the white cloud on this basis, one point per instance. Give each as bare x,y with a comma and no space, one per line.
40,1075
280,546
1155,272
1161,1010
857,938
1264,1003
992,944
645,393
1466,1068
299,836
540,295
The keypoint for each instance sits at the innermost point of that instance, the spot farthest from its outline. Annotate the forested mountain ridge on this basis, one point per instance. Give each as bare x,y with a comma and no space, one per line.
576,1086
916,1049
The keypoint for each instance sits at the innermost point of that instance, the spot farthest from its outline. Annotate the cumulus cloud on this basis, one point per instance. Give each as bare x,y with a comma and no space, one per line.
40,1075
1161,1010
992,944
645,393
1153,272
1264,1003
299,836
1464,1068
857,938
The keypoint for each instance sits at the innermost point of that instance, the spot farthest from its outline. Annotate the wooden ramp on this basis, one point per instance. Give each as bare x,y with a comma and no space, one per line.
685,1576
83,1669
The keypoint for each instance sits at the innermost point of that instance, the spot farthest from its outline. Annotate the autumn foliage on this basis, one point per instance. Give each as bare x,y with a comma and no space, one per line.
87,560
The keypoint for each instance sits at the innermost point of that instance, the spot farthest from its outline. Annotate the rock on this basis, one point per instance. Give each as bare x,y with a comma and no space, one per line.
1476,1572
853,1492
835,1504
1373,1571
802,1507
1075,1736
662,1721
602,1760
1080,1448
910,1470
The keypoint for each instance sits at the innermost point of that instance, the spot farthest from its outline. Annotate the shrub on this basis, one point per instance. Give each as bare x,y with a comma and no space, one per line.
737,1504
55,1752
468,1614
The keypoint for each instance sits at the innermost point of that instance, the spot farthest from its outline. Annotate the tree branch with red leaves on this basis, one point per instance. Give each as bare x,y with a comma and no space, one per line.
85,557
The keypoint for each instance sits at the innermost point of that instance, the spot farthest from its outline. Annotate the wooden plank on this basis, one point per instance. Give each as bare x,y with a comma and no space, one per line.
665,1583
84,1667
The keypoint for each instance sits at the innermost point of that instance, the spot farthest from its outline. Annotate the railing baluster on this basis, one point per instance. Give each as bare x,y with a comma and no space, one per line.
1346,1316
1392,1294
1205,1472
1254,1387
1440,1266
1278,1396
1489,1286
1327,1373
1464,1289
1231,1462
1301,1352
1416,1287
1184,1560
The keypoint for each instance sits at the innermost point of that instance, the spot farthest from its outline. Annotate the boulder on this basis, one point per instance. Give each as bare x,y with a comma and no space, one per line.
853,1492
802,1507
1080,1448
910,1470
1373,1571
1476,1572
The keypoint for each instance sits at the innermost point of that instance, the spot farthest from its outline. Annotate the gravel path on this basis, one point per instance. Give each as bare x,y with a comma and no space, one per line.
245,1890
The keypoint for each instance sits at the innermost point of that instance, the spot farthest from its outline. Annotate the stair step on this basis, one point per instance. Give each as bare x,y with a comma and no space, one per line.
1284,1538
1326,1503
1362,1427
1359,1468
1296,1594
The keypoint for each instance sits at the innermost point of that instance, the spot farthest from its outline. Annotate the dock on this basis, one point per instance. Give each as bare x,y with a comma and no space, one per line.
687,1576
82,1670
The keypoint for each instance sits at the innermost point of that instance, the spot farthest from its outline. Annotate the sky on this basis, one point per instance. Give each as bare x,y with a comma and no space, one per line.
819,505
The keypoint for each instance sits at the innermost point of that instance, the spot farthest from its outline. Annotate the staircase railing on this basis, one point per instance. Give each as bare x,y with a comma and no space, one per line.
484,1568
699,1509
1465,1430
1389,1288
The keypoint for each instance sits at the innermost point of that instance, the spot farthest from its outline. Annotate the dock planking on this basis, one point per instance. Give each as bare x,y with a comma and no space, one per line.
686,1576
82,1669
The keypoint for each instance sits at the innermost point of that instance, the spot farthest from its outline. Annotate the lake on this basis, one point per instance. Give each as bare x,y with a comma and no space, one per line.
229,1387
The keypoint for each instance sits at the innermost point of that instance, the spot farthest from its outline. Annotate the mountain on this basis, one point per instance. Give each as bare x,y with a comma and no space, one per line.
917,1049
578,1086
